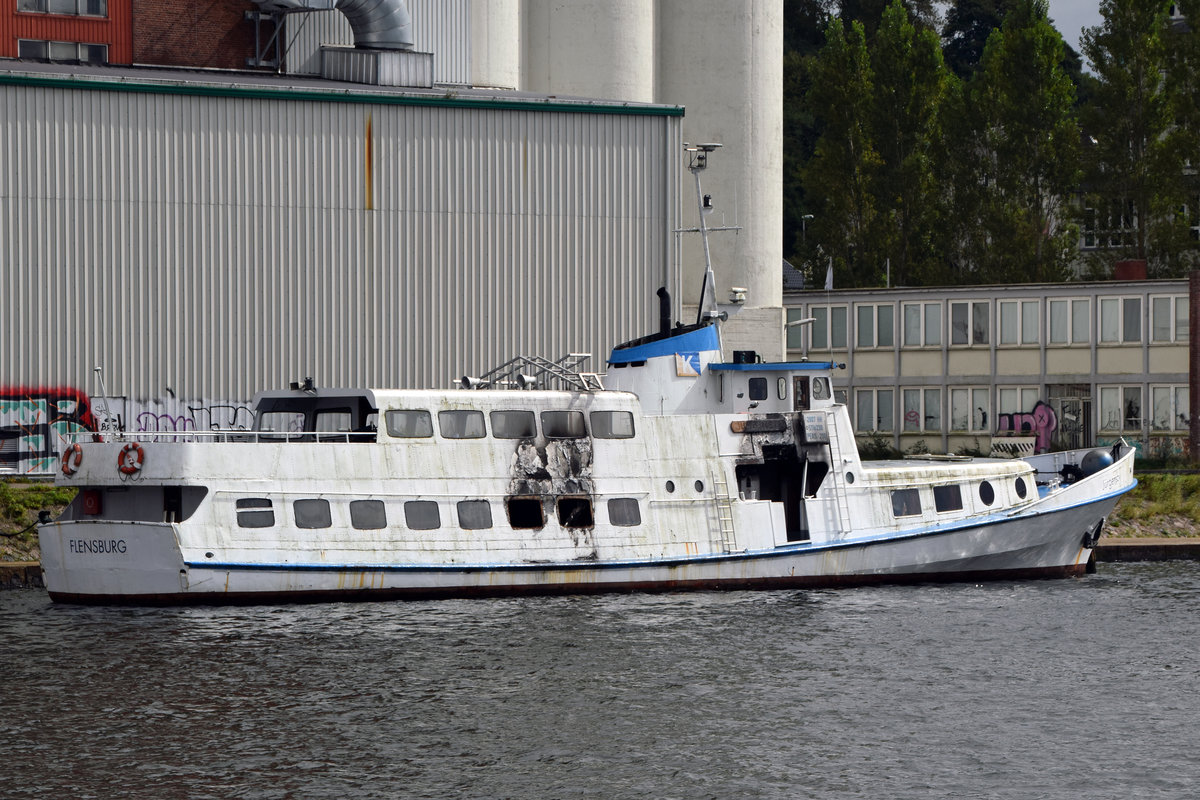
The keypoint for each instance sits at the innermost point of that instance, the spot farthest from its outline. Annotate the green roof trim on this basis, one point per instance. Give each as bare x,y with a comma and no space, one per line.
449,100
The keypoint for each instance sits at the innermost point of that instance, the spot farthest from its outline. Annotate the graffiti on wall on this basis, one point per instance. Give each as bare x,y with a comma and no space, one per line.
34,420
37,423
1041,423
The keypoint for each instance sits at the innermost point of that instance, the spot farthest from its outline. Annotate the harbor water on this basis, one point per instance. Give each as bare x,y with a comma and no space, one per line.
1044,689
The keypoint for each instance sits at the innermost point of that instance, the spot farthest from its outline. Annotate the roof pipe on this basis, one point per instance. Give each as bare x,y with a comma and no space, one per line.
377,24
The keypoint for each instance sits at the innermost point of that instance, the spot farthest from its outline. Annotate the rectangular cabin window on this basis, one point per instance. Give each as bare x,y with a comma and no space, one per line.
906,503
947,498
563,424
422,515
409,423
281,425
575,512
255,512
525,512
461,424
335,423
612,424
513,425
758,388
368,515
312,513
474,515
624,511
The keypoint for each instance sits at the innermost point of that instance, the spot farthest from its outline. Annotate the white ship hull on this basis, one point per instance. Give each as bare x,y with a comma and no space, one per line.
143,562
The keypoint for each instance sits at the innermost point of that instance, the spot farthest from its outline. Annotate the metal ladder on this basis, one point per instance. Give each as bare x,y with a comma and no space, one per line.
727,540
835,454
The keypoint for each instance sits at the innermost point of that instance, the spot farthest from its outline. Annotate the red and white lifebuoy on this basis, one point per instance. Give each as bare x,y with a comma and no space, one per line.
131,458
72,457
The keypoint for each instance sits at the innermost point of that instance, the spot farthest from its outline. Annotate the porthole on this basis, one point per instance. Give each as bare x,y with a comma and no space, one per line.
1021,490
670,487
699,487
849,477
986,493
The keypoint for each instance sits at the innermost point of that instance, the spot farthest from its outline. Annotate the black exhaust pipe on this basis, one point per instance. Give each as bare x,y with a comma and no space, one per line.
664,309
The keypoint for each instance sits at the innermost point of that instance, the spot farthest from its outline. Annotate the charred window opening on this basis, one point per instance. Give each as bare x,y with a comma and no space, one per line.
563,424
575,512
779,480
525,512
513,424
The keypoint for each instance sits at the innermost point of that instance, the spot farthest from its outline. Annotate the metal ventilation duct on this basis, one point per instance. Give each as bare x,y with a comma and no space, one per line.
380,24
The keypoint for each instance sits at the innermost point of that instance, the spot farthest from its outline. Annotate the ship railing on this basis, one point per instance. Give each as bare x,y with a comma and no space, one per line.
535,372
232,435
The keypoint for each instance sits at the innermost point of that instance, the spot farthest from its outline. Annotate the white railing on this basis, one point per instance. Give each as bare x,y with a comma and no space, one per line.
225,436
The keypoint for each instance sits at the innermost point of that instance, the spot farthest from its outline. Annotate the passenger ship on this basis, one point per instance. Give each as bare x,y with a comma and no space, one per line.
677,469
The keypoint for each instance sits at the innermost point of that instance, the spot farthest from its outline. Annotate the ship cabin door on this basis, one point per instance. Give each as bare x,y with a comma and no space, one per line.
800,393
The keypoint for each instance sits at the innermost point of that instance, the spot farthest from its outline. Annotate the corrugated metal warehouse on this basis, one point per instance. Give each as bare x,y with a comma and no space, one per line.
203,239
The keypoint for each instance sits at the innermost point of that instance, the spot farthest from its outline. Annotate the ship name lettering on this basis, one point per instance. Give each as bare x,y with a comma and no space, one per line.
96,546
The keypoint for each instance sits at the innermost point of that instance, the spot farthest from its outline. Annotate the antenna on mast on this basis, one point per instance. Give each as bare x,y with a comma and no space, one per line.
697,163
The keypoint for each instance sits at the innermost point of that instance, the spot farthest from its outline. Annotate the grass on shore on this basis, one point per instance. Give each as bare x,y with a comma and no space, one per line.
1160,505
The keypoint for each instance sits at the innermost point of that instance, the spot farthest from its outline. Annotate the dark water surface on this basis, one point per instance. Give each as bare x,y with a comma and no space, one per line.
1085,688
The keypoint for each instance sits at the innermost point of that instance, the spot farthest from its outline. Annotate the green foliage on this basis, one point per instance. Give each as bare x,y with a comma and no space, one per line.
20,502
1161,496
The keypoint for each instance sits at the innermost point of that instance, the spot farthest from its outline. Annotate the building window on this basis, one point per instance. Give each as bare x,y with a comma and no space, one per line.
922,410
1069,321
969,324
62,52
875,325
922,324
1168,319
874,409
1018,322
1109,224
1120,409
1120,320
794,330
1169,408
829,327
969,409
1017,399
80,8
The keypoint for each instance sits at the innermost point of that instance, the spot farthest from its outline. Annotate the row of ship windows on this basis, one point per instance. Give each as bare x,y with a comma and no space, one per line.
1067,321
907,502
423,515
469,424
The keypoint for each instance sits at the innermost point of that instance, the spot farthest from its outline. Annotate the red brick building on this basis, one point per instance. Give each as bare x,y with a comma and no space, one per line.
178,33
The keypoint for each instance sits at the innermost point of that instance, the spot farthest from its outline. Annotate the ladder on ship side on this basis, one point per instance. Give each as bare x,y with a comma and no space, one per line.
727,536
838,464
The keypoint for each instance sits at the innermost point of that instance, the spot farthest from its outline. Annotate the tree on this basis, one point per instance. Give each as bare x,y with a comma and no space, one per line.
1137,126
910,85
969,23
838,177
1017,154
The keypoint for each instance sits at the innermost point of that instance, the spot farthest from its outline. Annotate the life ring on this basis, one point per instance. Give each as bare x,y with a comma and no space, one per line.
72,457
131,458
